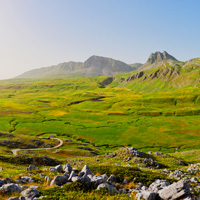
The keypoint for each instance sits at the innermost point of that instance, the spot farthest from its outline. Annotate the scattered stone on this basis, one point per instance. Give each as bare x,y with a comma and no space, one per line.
97,180
73,174
14,198
147,195
59,168
27,179
59,180
8,180
67,168
104,176
86,170
139,186
10,188
125,182
2,182
31,167
166,171
52,169
75,178
42,175
47,179
85,180
175,190
176,174
30,193
113,179
158,185
194,180
110,188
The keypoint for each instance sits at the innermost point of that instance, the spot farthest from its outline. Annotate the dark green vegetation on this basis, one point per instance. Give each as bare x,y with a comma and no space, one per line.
77,190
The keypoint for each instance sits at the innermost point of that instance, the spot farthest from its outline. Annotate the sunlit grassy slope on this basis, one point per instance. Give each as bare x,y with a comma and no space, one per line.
155,114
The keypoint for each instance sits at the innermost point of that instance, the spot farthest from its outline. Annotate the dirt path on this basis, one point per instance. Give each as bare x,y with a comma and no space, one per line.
15,151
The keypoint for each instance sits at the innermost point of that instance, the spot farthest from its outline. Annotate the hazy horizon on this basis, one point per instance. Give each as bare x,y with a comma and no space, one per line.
37,34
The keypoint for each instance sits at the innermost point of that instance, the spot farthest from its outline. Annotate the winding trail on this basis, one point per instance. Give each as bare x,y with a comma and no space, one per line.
15,151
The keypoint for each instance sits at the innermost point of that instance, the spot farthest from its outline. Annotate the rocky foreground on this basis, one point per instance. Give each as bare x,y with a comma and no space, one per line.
179,184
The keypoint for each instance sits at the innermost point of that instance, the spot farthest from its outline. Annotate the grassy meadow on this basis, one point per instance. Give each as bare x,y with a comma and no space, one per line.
93,119
104,117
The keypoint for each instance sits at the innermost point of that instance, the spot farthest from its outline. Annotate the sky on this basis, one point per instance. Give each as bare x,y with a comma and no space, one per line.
40,33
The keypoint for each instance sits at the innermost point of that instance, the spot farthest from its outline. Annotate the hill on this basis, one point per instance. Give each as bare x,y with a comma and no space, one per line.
93,66
156,59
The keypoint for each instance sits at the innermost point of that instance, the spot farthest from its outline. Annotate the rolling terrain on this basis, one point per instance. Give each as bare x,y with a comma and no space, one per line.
110,111
153,108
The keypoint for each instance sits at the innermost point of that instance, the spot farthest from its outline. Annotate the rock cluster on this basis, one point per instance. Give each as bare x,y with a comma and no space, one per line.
159,189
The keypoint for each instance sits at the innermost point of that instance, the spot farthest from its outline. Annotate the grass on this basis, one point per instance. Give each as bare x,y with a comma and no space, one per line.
157,114
111,117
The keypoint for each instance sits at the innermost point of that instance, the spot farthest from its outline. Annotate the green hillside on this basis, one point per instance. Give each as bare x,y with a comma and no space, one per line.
156,110
153,113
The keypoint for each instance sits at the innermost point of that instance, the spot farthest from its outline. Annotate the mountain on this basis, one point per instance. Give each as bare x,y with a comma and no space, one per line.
105,66
56,70
169,75
156,59
93,66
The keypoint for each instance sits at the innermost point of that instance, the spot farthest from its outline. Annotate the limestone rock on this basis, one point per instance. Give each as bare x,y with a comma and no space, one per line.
30,193
85,180
59,180
31,167
59,168
158,185
147,195
113,179
86,170
175,190
67,168
14,198
47,179
97,180
27,179
110,188
10,188
73,174
2,182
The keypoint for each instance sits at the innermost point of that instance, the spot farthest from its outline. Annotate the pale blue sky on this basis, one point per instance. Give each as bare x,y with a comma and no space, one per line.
39,33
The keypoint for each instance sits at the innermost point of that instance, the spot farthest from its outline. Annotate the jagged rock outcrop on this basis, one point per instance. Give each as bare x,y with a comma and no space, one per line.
156,59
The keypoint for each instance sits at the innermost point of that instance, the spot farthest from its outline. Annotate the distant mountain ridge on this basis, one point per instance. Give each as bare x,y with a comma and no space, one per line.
93,66
98,65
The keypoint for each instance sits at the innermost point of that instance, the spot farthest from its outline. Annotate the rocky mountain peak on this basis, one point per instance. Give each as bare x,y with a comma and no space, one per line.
158,57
